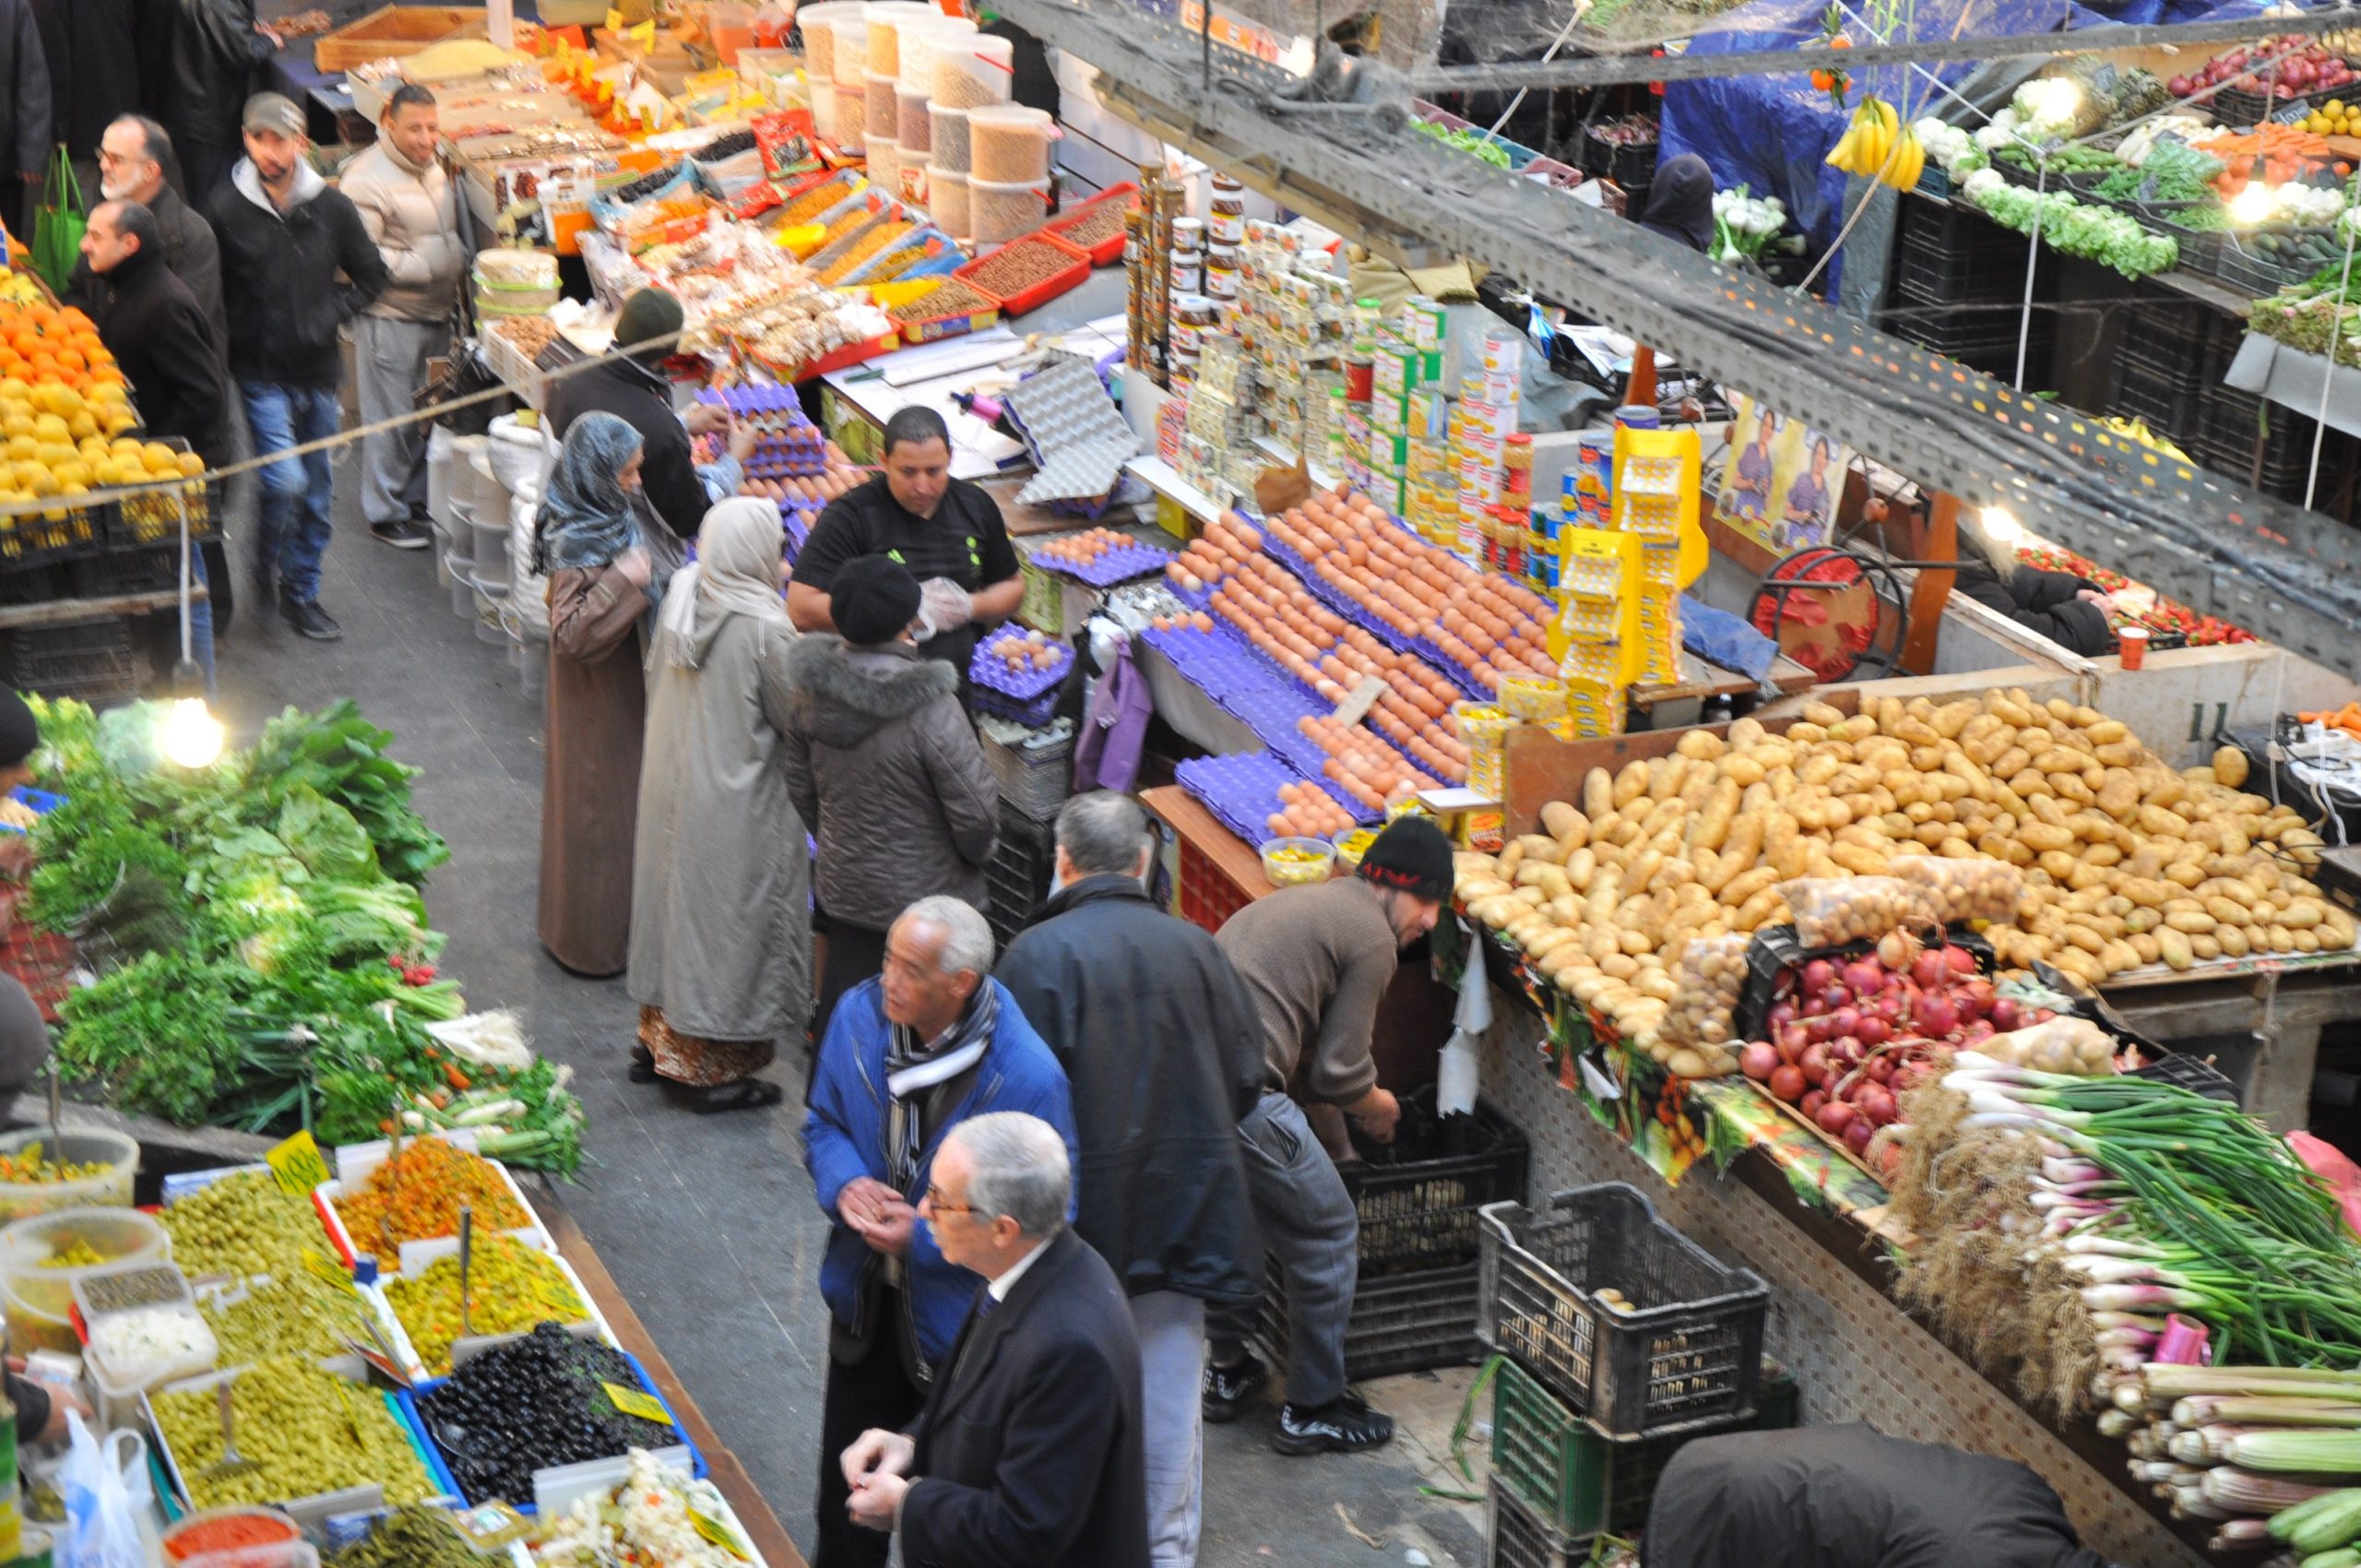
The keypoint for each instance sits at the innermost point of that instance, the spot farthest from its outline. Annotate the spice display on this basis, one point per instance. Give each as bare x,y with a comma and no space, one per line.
29,1168
1101,223
1009,144
529,334
510,1287
243,1223
531,1404
416,1536
417,1196
306,1315
657,1516
951,297
307,1432
1011,270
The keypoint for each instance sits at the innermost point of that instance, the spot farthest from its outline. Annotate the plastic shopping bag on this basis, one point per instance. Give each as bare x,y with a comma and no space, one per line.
101,1528
58,224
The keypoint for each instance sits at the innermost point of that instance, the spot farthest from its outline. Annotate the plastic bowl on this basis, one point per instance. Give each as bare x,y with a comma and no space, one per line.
110,1188
1351,846
177,1541
115,1235
1291,862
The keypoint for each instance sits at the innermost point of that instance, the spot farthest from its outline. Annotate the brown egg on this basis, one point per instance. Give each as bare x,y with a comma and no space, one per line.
1202,621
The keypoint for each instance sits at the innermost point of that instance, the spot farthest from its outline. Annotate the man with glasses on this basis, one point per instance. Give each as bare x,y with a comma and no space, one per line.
932,1042
1029,1452
132,157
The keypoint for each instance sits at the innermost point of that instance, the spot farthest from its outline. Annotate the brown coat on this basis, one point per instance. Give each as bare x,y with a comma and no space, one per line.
598,710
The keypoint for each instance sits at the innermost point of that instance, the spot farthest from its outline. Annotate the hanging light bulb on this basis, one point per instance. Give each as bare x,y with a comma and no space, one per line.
2000,525
191,737
2253,204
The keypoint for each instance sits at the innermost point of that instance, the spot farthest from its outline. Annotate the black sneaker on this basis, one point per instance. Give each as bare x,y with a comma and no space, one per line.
1346,1426
309,620
407,534
1228,1388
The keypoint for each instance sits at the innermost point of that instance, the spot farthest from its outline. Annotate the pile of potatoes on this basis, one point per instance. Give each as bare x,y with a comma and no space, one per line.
2125,861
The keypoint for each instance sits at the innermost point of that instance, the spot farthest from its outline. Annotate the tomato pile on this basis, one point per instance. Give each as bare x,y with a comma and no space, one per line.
2200,631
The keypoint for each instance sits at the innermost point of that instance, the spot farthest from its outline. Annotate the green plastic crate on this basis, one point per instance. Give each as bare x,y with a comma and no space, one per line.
1582,1483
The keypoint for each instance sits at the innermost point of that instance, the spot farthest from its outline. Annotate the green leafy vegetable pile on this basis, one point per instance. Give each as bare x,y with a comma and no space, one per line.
2097,233
265,960
2173,171
1467,141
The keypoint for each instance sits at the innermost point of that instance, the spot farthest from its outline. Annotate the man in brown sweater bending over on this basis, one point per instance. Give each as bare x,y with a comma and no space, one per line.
1317,960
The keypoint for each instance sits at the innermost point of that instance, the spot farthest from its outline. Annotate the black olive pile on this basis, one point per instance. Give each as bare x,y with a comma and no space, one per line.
730,144
529,1405
647,184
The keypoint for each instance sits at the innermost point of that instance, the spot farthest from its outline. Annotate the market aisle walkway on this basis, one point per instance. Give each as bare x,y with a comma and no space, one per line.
707,1223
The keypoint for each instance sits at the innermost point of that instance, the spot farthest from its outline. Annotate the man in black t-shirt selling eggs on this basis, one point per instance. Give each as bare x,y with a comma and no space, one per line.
947,533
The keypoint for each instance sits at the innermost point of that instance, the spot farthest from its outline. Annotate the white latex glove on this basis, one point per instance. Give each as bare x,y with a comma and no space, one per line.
944,606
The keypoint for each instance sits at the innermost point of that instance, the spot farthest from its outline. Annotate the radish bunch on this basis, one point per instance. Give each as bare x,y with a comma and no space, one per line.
1848,1037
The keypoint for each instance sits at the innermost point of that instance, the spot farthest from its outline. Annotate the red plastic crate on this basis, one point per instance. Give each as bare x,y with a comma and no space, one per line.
1109,249
1071,275
1207,896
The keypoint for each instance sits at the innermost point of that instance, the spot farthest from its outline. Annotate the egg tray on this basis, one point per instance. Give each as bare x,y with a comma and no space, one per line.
1072,429
798,524
986,670
758,402
1119,564
1240,790
1215,662
1032,714
1272,715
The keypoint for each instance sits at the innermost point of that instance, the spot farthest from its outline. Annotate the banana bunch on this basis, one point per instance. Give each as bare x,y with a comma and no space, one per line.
1869,142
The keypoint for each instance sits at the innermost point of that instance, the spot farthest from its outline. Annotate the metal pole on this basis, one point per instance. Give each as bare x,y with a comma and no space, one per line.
2032,258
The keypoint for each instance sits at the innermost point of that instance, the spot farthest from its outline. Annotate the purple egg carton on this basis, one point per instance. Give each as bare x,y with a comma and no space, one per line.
985,671
1119,564
1215,662
798,523
757,401
1448,668
1033,715
1271,715
1240,790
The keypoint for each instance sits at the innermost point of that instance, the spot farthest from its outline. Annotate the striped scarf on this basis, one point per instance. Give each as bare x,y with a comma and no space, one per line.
914,1068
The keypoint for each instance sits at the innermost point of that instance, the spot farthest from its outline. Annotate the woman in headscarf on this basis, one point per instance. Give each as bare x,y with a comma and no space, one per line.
1681,202
721,893
592,547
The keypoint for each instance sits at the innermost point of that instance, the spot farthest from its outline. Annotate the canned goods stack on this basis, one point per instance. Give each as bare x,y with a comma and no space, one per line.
1295,318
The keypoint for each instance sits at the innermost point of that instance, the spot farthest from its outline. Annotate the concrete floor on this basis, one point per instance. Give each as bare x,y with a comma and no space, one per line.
708,1223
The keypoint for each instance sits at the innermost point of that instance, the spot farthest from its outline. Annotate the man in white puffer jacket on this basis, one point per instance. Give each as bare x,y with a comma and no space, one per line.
411,209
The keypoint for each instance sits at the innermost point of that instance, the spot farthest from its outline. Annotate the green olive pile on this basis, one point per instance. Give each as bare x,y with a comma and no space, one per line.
302,1316
308,1431
420,1537
245,1224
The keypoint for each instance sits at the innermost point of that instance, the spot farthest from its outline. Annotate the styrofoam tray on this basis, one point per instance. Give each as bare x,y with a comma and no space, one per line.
311,1512
366,1157
597,1320
570,1482
407,1402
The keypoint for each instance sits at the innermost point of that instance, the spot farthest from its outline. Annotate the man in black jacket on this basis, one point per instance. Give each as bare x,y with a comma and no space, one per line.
132,156
285,236
628,385
1026,1454
1157,1034
161,339
217,47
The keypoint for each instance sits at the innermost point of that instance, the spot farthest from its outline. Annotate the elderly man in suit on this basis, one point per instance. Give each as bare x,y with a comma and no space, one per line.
1027,1453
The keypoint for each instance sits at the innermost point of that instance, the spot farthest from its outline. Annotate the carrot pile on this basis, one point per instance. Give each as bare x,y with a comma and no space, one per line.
416,1196
2286,151
2347,718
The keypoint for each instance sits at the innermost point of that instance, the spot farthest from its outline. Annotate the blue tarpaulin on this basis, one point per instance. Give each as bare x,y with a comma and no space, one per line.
1774,132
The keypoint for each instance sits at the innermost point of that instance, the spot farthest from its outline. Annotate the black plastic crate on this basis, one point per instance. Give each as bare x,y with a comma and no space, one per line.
30,585
1419,1195
2160,402
1516,1537
1401,1322
37,539
1582,1484
1684,1356
84,659
141,569
1018,877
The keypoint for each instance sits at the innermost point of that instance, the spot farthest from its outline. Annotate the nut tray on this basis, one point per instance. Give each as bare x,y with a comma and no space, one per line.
984,670
1117,565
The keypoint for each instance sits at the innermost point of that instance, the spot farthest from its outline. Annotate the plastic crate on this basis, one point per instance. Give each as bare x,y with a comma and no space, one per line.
1400,1322
2160,402
140,569
1035,767
1687,1356
30,585
1018,877
1516,1537
1581,1483
1422,1212
77,659
1206,896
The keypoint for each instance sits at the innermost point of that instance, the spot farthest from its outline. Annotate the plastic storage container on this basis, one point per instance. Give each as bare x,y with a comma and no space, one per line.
186,1541
850,59
818,25
999,213
948,138
730,25
1685,1353
974,71
1290,861
824,105
946,196
885,19
879,109
110,1188
1009,144
913,126
852,116
920,39
40,1298
885,164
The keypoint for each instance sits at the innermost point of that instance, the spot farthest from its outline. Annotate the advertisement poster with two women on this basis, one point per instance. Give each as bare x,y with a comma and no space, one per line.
1783,480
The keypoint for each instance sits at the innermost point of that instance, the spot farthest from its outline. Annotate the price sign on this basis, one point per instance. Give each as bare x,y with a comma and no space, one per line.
335,1274
1361,699
297,1164
636,1402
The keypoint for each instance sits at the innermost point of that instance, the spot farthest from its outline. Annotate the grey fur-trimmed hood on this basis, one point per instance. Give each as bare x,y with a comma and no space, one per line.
848,692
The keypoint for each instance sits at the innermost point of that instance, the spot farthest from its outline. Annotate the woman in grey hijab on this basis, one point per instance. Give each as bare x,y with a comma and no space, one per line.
721,891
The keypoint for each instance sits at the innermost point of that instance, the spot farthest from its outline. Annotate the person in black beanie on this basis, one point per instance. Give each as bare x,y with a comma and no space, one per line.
1316,959
884,769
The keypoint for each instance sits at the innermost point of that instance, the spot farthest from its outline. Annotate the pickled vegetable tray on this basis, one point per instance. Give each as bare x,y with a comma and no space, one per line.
406,1400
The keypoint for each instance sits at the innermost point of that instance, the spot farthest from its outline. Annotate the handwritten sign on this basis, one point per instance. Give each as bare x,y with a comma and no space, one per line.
297,1164
633,1402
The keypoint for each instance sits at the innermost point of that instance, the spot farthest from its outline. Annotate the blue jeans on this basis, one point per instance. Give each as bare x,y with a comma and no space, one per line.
296,493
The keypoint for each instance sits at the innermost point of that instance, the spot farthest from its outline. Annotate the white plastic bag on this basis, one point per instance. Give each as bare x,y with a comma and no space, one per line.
518,453
102,1520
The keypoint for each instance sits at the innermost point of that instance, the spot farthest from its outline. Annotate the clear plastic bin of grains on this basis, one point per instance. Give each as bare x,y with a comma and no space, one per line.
970,72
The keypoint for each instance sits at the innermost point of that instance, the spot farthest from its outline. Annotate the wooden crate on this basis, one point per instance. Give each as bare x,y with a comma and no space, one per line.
395,31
